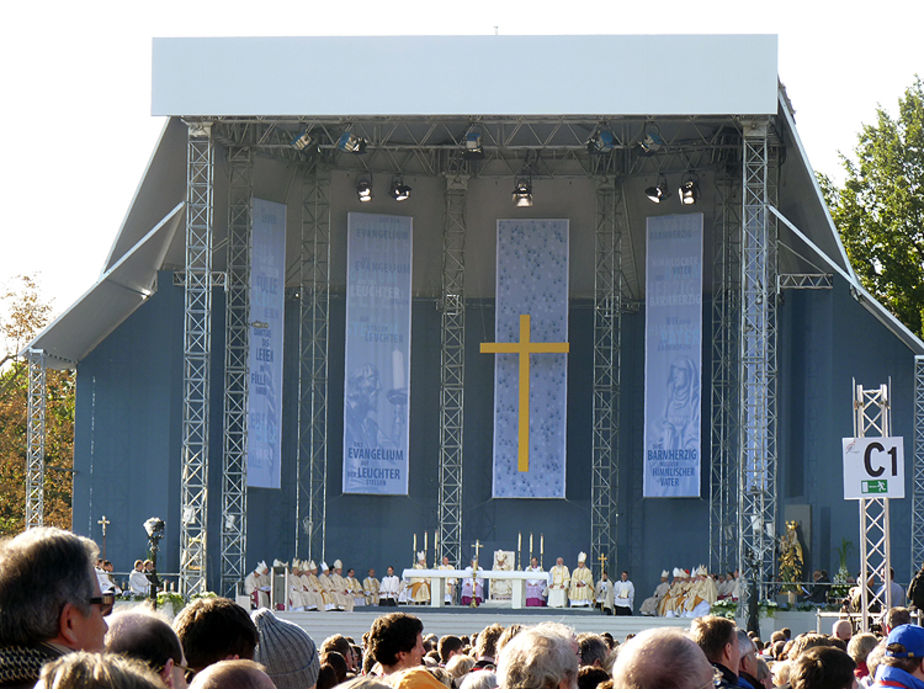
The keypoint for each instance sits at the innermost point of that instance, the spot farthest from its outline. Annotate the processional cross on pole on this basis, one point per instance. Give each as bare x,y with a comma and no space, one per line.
603,559
524,348
104,523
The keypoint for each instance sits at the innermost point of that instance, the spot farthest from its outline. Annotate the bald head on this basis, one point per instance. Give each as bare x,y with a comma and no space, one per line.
233,673
662,658
842,629
142,635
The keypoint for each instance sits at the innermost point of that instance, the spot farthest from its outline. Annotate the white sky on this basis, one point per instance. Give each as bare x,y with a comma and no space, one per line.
76,85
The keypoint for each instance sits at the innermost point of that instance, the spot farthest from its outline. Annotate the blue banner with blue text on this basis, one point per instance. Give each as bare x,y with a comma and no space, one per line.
673,355
378,354
267,305
532,280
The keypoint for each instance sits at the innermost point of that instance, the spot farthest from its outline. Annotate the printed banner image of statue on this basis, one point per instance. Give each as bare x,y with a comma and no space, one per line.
362,427
679,427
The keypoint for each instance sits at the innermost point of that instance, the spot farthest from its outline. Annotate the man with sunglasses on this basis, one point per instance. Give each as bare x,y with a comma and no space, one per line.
50,601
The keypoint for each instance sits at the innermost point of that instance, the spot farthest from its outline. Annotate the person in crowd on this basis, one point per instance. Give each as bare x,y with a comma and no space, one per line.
214,629
662,658
50,602
486,678
902,665
459,665
97,670
285,650
894,617
232,673
448,647
544,656
144,635
823,667
842,630
486,647
591,676
747,662
592,650
718,638
396,643
338,643
896,591
859,648
335,661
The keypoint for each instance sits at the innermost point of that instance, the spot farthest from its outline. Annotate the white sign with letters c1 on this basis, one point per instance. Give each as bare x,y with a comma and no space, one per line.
874,468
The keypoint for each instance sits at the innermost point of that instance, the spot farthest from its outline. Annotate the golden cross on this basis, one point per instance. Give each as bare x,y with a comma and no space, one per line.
523,349
603,559
477,546
104,523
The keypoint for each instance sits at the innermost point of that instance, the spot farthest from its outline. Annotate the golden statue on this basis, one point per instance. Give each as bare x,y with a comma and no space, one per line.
791,558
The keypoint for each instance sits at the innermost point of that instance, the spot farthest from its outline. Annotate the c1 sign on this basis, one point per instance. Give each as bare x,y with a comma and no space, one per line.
874,468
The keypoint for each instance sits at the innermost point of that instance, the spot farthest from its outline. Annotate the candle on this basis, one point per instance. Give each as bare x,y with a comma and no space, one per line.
415,546
530,544
519,540
426,539
435,544
541,544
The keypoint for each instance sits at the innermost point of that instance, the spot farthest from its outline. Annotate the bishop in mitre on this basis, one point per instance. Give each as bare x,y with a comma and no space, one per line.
502,589
420,587
649,607
327,588
257,585
581,592
558,590
701,595
343,595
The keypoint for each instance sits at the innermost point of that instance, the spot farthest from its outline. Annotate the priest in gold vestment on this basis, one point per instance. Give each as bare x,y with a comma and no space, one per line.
581,592
420,587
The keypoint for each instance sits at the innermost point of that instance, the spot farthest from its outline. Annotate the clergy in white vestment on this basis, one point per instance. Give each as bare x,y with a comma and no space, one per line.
603,594
257,585
649,607
341,588
138,583
558,590
106,585
502,589
356,588
536,589
450,593
472,587
389,588
420,587
624,595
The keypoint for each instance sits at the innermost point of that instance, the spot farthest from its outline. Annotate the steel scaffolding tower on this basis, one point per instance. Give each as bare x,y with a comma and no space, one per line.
917,468
313,329
724,393
452,368
608,294
196,356
872,416
237,338
756,367
35,447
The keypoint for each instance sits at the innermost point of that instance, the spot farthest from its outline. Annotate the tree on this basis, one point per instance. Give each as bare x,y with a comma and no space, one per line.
25,313
879,211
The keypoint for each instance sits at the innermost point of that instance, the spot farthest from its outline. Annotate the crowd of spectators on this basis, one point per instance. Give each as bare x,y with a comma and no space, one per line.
57,630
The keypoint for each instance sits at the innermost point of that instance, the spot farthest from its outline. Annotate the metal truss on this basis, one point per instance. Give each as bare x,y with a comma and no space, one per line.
452,365
757,368
872,416
804,281
237,352
197,332
724,394
917,468
313,332
35,447
611,220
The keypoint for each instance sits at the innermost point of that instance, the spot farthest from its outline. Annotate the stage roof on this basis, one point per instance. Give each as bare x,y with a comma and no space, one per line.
452,75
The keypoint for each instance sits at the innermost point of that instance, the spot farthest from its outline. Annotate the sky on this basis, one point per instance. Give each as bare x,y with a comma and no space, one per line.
76,81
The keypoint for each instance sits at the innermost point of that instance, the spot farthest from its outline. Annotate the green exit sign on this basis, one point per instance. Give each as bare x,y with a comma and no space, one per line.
878,486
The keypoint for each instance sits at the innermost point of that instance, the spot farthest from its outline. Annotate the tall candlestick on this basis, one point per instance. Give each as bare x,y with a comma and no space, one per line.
415,549
519,551
436,545
541,544
426,539
530,545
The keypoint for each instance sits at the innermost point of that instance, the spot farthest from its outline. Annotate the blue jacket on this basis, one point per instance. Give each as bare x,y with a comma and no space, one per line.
892,677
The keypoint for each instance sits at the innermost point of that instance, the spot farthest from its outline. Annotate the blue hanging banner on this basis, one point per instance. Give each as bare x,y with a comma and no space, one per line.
378,354
673,355
267,307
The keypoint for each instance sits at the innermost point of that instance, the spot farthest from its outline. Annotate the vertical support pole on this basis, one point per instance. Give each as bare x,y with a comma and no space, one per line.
313,332
452,369
724,391
197,333
237,350
35,449
608,293
757,468
917,468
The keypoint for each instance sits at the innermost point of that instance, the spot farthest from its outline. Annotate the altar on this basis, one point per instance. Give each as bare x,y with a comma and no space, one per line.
438,579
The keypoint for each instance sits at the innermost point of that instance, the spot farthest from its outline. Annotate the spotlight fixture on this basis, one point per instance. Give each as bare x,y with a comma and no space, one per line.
473,146
652,141
601,142
351,143
523,192
400,190
364,190
302,141
659,192
688,190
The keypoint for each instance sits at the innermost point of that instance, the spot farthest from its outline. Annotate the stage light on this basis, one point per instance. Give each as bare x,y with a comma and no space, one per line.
364,190
652,141
351,143
658,193
688,190
302,141
473,146
400,190
523,192
601,142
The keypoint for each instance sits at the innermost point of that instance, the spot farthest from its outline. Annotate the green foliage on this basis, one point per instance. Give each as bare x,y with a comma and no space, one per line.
879,211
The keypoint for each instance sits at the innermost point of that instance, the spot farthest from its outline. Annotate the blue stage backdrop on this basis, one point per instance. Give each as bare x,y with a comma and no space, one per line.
378,352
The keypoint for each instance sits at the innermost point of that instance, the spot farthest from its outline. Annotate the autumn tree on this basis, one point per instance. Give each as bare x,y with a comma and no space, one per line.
24,315
879,211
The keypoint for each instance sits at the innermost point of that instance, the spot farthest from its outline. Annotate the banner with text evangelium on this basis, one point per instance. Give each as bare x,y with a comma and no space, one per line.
267,307
532,279
673,355
378,354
